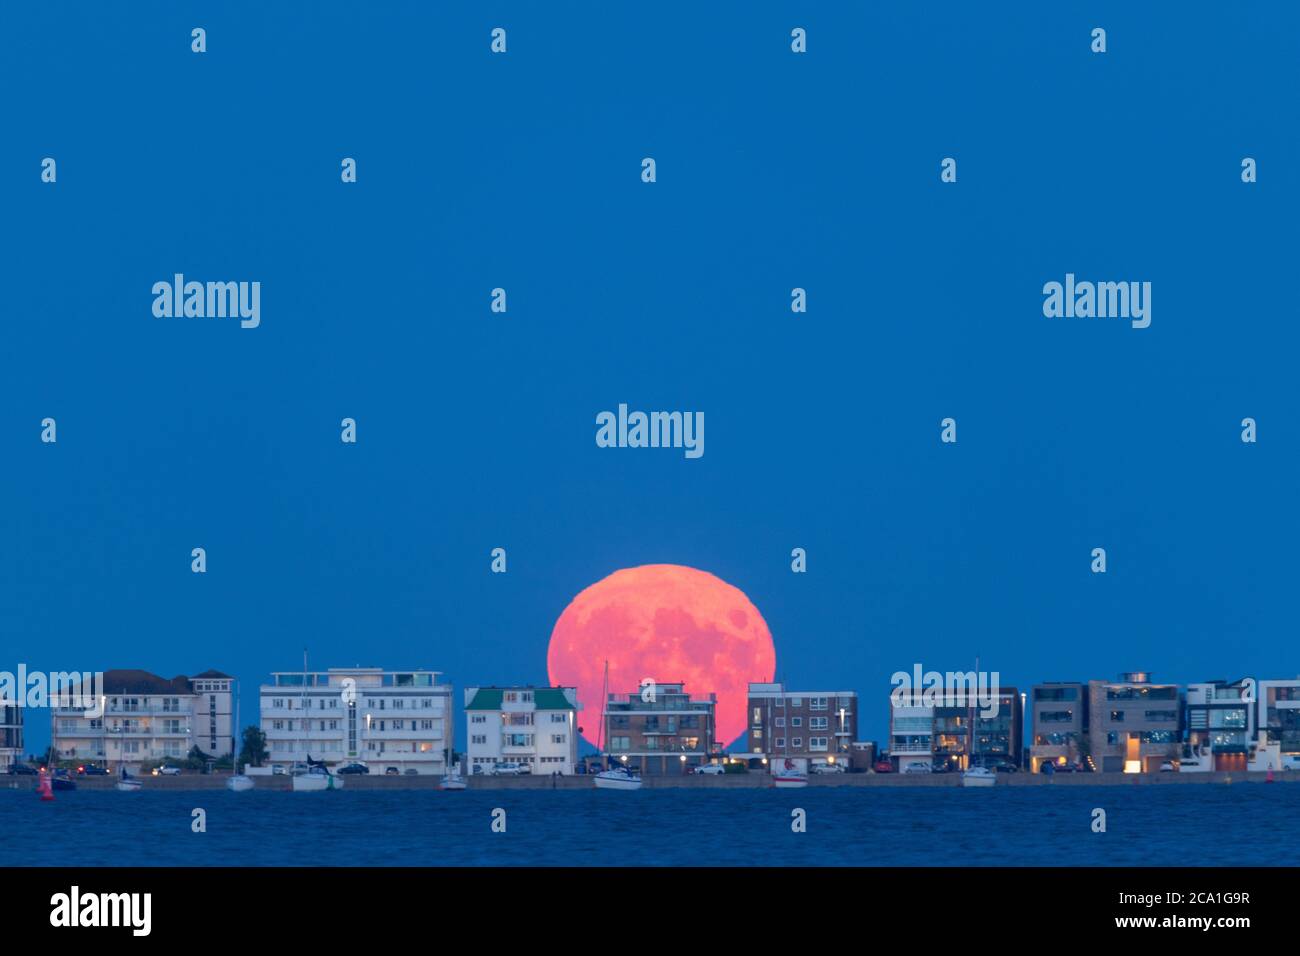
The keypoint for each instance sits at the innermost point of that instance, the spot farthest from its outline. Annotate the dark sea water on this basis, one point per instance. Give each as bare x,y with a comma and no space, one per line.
1206,825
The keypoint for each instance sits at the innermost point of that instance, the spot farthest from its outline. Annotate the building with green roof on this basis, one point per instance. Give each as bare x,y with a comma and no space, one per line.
521,729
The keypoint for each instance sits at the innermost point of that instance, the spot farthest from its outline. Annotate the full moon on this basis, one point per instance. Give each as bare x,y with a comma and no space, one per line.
669,623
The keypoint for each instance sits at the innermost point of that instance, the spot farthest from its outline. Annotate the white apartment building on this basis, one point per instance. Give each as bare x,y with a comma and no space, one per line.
11,736
147,717
383,719
533,726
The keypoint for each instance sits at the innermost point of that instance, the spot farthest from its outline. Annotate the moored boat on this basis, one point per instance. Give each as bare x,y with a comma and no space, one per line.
317,778
237,782
125,782
978,777
789,776
619,778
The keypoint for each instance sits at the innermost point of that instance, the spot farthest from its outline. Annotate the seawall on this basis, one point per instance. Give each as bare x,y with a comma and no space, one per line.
741,781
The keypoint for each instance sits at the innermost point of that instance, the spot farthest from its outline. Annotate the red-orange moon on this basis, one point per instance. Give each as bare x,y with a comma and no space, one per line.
668,623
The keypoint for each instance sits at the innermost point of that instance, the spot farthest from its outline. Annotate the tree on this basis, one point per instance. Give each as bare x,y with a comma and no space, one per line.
254,750
196,759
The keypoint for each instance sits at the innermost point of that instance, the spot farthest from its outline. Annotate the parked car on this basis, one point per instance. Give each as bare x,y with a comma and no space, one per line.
411,772
510,769
917,768
278,770
1167,767
391,772
90,770
883,766
1004,767
353,768
23,770
167,771
826,768
712,769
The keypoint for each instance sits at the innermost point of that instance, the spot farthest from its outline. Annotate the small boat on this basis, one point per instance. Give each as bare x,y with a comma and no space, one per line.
452,781
125,782
317,778
620,778
978,777
789,777
237,782
62,781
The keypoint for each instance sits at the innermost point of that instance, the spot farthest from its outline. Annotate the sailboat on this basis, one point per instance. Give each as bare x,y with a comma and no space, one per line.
617,778
974,776
451,778
317,776
237,782
125,782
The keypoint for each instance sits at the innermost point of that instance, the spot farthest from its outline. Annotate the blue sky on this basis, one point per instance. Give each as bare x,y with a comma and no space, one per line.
477,430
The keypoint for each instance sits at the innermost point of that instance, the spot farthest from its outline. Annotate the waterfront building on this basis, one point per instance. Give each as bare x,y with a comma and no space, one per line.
1278,727
664,732
148,718
808,727
955,733
11,736
1135,725
533,726
911,732
1220,720
1059,724
382,719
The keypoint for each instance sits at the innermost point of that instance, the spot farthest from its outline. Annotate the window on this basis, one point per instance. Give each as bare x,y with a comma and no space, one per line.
558,738
758,715
1117,716
620,743
816,723
817,703
1056,716
778,721
559,718
478,718
479,739
796,742
796,721
779,742
816,743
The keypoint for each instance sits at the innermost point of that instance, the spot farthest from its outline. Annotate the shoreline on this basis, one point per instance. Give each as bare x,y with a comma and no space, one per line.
740,781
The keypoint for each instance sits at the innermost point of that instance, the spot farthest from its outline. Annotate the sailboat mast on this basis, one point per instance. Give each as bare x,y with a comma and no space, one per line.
970,719
604,711
234,734
302,708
